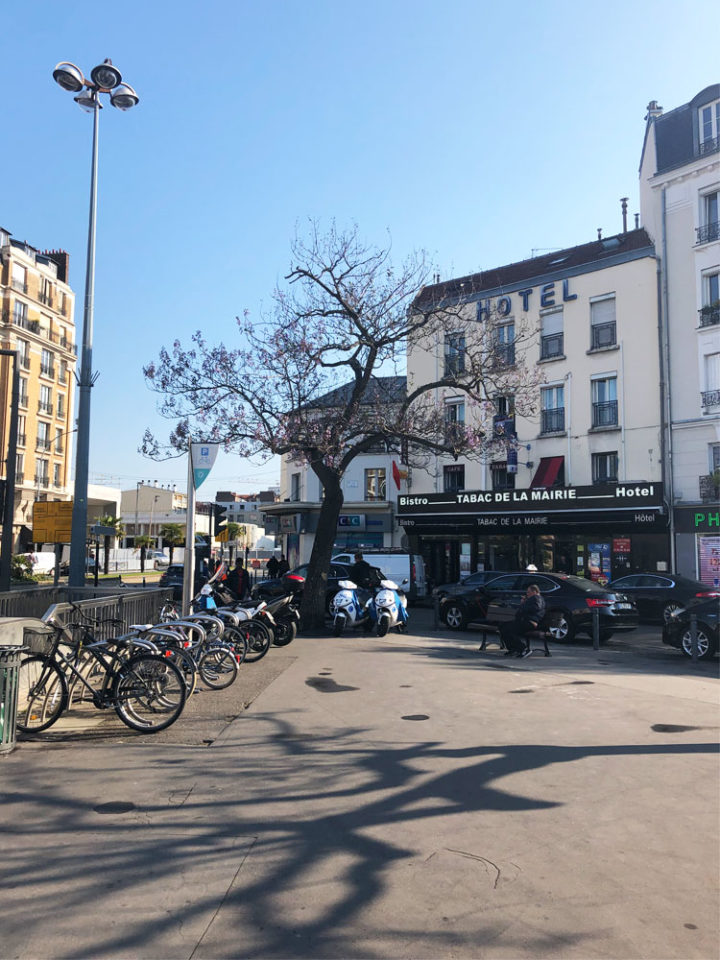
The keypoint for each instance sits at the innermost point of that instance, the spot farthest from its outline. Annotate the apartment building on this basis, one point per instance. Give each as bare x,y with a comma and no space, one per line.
680,207
577,485
37,320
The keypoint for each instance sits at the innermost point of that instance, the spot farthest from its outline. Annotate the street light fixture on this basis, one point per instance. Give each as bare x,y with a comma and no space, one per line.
104,78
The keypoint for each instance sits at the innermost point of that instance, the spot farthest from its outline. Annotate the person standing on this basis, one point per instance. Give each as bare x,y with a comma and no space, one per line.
238,581
361,572
283,565
272,567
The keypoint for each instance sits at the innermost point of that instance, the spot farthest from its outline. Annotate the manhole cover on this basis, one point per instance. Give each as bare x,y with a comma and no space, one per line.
115,806
416,716
672,728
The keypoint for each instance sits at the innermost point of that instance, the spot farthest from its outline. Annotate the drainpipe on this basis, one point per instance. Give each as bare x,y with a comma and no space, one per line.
665,386
568,427
622,411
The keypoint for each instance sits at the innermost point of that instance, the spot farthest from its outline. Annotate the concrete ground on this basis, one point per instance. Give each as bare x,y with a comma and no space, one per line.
408,797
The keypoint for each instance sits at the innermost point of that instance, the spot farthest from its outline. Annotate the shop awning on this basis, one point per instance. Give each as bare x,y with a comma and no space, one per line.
547,472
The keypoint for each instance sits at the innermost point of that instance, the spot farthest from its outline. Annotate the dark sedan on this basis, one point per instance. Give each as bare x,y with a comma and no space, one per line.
571,602
294,580
658,595
478,579
677,632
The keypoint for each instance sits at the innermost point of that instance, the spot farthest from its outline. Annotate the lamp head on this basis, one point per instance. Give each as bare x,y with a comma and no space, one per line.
124,97
105,76
68,76
88,100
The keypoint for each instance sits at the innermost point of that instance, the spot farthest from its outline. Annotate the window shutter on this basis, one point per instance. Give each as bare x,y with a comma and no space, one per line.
602,311
712,371
552,323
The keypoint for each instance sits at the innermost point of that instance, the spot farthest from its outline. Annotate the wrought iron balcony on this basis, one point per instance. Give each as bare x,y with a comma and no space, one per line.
709,145
23,401
21,438
710,398
42,481
45,298
708,232
709,487
710,315
19,285
19,479
42,444
44,407
605,414
552,346
47,370
552,421
603,335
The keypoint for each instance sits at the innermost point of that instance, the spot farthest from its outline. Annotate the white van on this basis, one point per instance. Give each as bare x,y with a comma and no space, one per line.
397,567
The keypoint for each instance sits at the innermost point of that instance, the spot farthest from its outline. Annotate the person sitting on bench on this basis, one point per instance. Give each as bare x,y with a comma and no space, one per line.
528,617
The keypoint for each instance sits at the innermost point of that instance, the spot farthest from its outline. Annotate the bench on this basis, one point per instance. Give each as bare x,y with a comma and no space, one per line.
534,636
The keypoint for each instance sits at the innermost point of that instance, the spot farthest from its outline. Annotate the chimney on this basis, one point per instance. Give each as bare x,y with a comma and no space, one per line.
623,204
62,260
654,110
637,221
599,230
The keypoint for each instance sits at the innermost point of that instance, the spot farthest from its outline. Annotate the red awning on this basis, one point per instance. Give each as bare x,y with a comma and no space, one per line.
547,472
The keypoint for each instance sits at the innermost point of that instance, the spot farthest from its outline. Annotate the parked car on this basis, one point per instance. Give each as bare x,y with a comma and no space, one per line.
172,578
677,629
570,602
158,559
294,580
473,580
658,595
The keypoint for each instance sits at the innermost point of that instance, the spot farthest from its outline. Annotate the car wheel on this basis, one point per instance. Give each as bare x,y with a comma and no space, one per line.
605,635
561,626
455,617
705,643
669,609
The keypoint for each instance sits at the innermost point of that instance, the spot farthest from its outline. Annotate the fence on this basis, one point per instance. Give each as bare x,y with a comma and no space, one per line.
132,606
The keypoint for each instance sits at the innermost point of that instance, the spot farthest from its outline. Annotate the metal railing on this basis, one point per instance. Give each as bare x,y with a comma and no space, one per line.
708,232
19,285
552,346
710,315
504,354
710,398
605,414
44,407
104,602
552,421
47,370
709,487
603,335
709,145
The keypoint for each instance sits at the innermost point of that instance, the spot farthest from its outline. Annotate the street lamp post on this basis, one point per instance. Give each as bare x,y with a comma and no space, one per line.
10,468
105,78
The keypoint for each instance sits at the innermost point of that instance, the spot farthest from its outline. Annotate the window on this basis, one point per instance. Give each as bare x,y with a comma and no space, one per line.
504,347
604,402
19,278
375,484
454,354
501,479
552,413
453,478
23,399
47,367
43,436
20,314
551,338
45,292
714,457
709,228
45,402
605,467
61,404
57,475
20,468
454,421
62,371
42,476
21,436
23,348
711,393
710,310
603,332
58,440
295,487
709,126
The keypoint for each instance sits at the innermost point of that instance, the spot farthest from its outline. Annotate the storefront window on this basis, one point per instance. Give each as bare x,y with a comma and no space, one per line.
453,477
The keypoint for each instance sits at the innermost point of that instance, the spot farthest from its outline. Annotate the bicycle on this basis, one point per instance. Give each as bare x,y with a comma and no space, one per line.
146,690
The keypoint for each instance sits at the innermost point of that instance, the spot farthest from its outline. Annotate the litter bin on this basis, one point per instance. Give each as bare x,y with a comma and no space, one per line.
9,674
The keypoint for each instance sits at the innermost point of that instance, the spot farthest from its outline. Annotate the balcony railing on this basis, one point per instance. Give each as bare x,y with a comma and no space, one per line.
710,315
708,232
42,481
709,145
25,362
552,421
47,370
44,407
454,365
710,398
551,346
603,335
504,354
45,298
605,414
23,401
19,478
709,487
42,444
21,320
57,484
21,438
19,285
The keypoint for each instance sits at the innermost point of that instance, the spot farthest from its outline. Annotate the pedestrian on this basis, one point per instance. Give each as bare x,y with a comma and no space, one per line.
272,567
238,581
283,565
528,617
362,573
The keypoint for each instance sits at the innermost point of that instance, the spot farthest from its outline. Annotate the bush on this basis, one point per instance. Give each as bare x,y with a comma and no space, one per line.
21,568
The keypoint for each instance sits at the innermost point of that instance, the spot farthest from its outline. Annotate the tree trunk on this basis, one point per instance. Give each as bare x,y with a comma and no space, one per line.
142,559
106,564
313,605
171,551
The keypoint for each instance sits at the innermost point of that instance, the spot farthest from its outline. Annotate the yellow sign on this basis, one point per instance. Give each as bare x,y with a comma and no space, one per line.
52,522
222,537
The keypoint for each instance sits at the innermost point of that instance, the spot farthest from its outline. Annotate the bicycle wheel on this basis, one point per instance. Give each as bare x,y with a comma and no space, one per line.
236,639
218,667
258,639
42,694
186,665
149,693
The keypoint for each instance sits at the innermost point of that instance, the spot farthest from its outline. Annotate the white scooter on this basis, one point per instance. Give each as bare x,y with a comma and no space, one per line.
389,607
348,609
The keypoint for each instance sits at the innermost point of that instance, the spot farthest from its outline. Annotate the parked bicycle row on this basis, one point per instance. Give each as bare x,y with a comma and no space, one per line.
144,672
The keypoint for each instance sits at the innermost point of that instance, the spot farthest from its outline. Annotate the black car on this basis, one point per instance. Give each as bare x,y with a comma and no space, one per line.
173,578
294,580
571,602
658,595
478,579
677,630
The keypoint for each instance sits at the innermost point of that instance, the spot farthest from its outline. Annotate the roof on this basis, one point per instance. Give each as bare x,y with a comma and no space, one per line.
379,389
557,263
676,137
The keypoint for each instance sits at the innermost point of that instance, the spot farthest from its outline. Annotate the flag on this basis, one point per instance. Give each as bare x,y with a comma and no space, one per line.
396,474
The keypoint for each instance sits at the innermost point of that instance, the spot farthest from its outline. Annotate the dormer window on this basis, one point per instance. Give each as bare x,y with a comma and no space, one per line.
709,126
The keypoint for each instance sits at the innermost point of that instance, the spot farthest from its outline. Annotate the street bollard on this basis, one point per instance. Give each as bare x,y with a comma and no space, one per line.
693,637
596,628
436,612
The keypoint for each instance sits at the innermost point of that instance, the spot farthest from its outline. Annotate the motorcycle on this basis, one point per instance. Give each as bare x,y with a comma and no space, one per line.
388,608
286,618
349,608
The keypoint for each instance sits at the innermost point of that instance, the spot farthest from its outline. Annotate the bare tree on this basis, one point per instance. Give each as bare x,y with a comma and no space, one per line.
310,381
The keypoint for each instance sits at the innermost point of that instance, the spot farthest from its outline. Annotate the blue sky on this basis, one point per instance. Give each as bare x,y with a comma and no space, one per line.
477,131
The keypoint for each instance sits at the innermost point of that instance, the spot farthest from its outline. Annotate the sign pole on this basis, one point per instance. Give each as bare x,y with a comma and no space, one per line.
189,567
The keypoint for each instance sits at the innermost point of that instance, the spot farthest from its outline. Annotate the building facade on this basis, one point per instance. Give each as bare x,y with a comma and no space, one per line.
578,483
37,320
680,206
